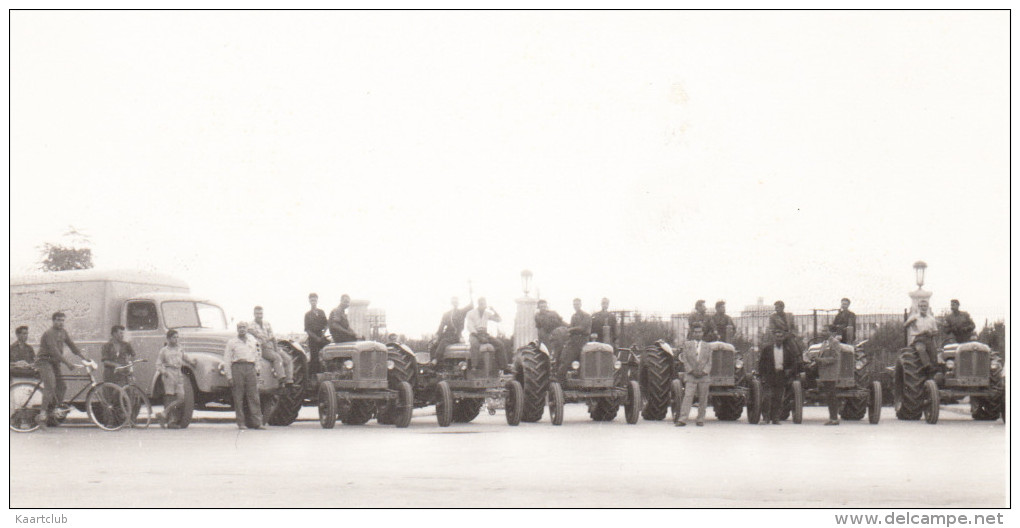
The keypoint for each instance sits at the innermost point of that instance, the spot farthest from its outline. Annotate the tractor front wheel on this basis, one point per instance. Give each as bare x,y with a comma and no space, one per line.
404,406
514,405
327,405
754,402
676,391
632,411
798,402
556,401
875,405
444,404
931,408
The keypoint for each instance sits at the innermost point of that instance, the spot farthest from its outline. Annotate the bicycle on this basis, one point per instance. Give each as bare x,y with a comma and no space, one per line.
106,403
136,396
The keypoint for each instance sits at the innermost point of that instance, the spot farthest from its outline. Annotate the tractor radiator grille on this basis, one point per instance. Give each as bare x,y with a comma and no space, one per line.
973,364
371,365
723,364
597,364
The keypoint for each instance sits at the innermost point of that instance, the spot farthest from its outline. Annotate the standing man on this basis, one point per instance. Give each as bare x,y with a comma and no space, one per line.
547,321
829,355
700,317
579,331
283,364
339,327
922,328
51,355
722,324
241,358
845,322
600,320
116,353
781,323
697,360
959,324
477,324
451,326
22,355
777,365
315,328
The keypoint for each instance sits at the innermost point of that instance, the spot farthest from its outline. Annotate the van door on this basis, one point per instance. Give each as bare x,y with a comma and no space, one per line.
147,334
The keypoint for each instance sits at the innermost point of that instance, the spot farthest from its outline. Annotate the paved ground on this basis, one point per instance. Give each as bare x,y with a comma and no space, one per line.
957,462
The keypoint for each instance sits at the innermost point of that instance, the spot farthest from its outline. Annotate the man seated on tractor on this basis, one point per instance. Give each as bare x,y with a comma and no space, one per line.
580,330
339,327
845,321
477,325
547,321
451,326
922,328
959,325
828,356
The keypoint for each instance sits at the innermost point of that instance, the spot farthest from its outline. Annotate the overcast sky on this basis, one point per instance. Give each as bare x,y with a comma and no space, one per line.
652,157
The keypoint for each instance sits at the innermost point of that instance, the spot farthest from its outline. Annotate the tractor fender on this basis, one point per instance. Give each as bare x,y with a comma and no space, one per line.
294,345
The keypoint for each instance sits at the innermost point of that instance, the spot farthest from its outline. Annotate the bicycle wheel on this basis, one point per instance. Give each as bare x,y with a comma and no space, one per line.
26,404
141,408
108,406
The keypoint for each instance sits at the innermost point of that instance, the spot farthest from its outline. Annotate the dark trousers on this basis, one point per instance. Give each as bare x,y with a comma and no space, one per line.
829,390
53,385
246,389
439,348
774,387
476,344
571,352
314,347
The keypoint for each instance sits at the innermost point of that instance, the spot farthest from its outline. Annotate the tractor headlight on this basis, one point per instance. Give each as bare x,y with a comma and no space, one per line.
996,365
617,365
738,363
389,364
349,364
575,365
950,364
859,364
462,365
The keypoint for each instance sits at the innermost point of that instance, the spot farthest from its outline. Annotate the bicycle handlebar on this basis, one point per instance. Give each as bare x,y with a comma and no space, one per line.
131,364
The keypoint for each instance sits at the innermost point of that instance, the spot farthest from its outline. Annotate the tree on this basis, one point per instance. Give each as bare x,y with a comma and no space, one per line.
72,254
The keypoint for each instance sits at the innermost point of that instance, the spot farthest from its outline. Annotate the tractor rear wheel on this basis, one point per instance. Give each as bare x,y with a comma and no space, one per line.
444,404
854,409
556,401
632,411
404,368
605,409
291,398
466,410
932,403
989,408
754,402
798,402
656,375
534,374
908,387
875,403
357,412
676,392
327,405
514,405
726,408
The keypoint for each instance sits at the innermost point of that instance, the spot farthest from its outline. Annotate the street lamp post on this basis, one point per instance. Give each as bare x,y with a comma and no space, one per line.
525,330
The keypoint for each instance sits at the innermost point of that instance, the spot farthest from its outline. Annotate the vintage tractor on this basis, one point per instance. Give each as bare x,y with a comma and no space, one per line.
857,392
355,380
963,370
459,384
732,385
596,378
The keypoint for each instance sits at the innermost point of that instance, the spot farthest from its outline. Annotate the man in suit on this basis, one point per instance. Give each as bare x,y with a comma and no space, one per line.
697,360
777,366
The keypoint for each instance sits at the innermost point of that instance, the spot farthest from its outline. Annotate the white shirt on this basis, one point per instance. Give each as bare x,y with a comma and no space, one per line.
777,355
476,322
921,324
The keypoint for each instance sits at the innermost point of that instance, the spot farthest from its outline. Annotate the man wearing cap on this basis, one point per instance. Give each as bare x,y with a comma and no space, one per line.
845,322
723,328
700,317
315,328
697,360
602,319
958,323
777,366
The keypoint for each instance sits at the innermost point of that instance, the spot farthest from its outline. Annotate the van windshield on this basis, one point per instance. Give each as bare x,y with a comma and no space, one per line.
188,314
